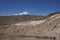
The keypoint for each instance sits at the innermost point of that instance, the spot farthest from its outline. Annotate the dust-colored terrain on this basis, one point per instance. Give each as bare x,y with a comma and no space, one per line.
7,20
30,27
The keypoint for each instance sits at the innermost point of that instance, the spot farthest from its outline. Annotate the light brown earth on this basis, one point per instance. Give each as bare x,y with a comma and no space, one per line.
46,29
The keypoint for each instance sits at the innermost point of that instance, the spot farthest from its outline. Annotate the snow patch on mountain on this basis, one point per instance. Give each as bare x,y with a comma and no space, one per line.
23,13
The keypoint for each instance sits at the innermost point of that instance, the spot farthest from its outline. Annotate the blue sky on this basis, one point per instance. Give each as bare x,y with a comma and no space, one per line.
34,7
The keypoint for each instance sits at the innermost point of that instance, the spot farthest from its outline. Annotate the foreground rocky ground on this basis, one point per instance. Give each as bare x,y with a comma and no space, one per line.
46,29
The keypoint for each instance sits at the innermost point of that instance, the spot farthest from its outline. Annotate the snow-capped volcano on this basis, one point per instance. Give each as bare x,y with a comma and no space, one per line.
23,13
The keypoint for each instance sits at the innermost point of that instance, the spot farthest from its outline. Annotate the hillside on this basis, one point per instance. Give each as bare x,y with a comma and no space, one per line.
7,20
31,28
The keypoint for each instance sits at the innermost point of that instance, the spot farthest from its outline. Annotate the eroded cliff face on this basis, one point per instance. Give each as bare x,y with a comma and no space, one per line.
47,29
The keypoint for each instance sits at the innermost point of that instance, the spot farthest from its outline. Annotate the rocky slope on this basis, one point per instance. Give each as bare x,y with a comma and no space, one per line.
46,29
